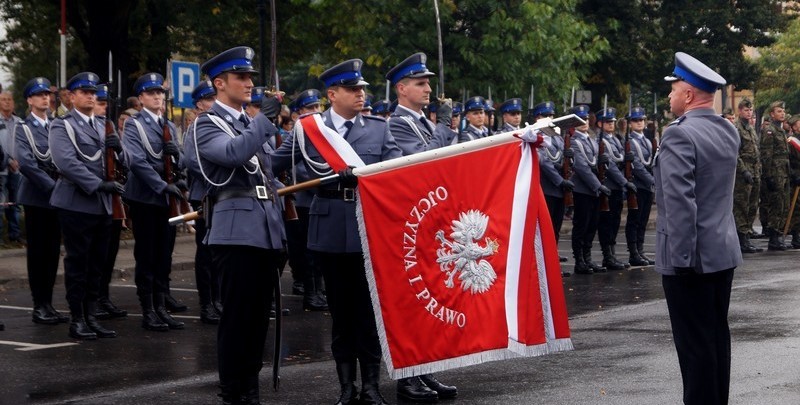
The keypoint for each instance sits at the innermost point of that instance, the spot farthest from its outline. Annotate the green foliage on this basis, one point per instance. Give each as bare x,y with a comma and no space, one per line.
780,69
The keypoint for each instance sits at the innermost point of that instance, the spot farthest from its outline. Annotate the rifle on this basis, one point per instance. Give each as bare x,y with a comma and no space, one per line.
113,172
176,206
566,168
633,203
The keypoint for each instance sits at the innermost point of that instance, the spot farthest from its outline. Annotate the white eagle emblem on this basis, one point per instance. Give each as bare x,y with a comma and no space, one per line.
464,254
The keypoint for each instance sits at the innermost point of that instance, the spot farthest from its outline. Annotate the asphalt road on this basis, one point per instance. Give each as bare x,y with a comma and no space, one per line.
620,328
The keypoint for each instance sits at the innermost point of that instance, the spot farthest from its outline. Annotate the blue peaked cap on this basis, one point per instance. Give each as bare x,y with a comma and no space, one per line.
475,103
546,108
581,110
202,90
511,105
35,86
636,113
412,66
238,60
84,81
148,81
696,73
347,73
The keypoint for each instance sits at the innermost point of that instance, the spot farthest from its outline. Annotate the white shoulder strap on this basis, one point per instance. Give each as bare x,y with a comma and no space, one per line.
144,139
42,157
71,135
414,128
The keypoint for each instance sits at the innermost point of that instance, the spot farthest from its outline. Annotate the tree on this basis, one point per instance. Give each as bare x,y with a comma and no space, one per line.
780,71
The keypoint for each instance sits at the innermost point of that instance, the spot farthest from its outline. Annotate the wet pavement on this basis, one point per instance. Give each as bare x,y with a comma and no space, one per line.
623,348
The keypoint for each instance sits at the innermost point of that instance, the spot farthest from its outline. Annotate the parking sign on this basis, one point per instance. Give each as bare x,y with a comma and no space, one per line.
185,76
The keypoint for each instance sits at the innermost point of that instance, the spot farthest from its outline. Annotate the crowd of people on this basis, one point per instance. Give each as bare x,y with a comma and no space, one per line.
68,163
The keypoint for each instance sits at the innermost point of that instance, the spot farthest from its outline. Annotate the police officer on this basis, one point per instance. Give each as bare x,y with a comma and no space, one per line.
41,219
642,167
490,116
696,234
300,257
551,156
458,107
476,118
245,226
105,307
254,106
147,194
414,133
585,194
333,230
367,109
608,223
748,178
205,273
511,110
83,200
774,176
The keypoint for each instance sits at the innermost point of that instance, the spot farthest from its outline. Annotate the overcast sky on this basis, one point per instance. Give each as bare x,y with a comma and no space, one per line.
5,77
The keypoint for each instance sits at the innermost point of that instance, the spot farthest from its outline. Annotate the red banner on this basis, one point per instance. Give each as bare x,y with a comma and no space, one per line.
462,261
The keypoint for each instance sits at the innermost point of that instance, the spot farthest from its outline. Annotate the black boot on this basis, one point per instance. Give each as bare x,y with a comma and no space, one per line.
105,304
230,392
743,245
42,315
795,240
160,309
78,329
750,243
775,240
208,314
61,317
587,259
635,258
640,246
313,300
370,392
580,265
444,391
413,389
347,378
150,320
173,305
614,253
609,261
250,394
91,321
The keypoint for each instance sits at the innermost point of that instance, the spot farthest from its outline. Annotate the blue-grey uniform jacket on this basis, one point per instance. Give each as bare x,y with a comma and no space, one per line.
36,184
694,171
583,171
246,221
411,141
615,179
198,186
507,128
76,188
470,133
550,177
145,176
333,227
642,174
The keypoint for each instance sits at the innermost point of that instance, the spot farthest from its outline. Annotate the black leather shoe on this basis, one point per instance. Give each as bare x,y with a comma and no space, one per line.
42,316
565,274
61,317
173,305
218,306
151,321
371,396
562,259
106,305
638,261
102,314
594,267
315,303
611,263
209,315
413,389
78,329
298,288
348,395
444,391
98,329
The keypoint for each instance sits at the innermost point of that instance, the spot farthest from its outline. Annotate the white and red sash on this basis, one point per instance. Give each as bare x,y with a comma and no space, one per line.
336,151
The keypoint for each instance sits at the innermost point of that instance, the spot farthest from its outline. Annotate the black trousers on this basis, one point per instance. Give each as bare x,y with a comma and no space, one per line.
248,280
111,257
555,205
153,247
296,242
86,244
698,310
44,250
205,273
636,223
355,335
584,222
608,224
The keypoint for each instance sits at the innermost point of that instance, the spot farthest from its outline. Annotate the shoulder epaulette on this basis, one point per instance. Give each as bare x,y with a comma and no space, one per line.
677,121
374,117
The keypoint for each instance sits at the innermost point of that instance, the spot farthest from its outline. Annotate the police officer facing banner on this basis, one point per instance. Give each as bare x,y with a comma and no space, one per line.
83,199
415,133
41,219
511,111
475,111
695,230
245,226
333,230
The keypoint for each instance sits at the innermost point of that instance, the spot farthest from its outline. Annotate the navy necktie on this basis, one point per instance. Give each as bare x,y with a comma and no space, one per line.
349,125
425,124
243,119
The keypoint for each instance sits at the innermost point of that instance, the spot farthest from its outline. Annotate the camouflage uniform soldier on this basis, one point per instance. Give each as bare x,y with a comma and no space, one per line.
748,178
774,177
794,176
